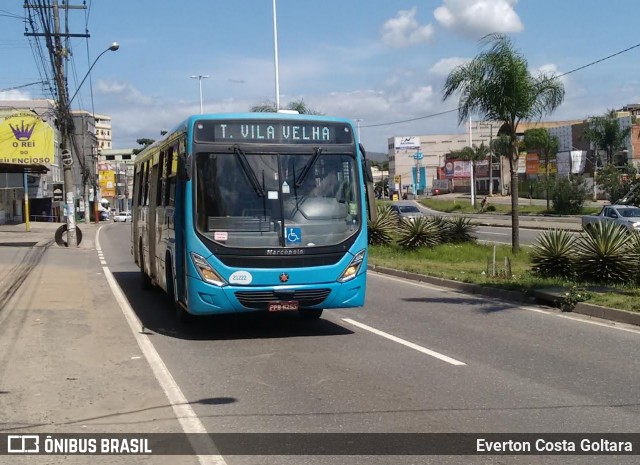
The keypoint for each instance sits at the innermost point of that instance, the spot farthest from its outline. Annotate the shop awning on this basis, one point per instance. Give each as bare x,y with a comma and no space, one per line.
23,168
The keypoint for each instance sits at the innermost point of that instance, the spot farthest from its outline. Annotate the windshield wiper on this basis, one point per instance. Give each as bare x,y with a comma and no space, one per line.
246,167
305,171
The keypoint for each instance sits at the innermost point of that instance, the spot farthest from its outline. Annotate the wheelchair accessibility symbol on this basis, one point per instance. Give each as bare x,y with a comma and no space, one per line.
293,235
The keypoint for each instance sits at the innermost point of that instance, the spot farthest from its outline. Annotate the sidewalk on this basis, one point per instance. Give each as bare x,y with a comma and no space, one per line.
42,233
69,362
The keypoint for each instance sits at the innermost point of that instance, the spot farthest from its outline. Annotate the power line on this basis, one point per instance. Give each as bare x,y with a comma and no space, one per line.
456,109
23,85
599,61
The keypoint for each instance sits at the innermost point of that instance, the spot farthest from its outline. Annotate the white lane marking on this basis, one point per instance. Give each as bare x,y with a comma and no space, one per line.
612,325
187,418
411,345
496,233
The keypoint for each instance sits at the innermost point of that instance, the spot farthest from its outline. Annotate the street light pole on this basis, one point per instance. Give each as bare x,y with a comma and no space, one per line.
200,77
112,48
358,120
275,55
67,158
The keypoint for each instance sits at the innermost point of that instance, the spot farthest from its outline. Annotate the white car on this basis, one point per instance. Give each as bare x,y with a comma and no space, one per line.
122,217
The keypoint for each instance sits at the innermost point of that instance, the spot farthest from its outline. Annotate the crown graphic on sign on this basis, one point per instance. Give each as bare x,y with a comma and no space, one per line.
23,132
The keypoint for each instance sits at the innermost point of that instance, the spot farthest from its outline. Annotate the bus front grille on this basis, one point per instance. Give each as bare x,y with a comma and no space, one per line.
259,299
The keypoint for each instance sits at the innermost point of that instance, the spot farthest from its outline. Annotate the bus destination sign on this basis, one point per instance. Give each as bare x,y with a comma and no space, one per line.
273,132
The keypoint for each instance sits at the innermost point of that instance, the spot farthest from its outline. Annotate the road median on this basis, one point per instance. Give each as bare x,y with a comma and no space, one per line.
552,298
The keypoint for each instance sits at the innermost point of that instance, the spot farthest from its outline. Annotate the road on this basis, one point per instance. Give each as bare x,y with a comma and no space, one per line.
416,358
502,235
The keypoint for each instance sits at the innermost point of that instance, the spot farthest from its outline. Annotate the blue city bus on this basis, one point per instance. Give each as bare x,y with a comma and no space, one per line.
254,212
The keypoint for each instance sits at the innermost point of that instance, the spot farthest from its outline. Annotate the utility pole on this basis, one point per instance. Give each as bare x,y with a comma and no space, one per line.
64,118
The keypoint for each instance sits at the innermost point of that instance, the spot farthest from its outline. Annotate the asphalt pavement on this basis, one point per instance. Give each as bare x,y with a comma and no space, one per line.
68,362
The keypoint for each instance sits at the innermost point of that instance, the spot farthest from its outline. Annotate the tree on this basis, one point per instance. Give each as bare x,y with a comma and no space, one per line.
541,140
607,135
617,183
144,143
498,86
296,105
473,154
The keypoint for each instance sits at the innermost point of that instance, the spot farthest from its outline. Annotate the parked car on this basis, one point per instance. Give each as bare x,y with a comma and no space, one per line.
409,212
122,217
104,215
626,215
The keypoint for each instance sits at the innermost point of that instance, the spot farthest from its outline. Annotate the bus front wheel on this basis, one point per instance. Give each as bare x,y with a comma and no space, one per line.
310,313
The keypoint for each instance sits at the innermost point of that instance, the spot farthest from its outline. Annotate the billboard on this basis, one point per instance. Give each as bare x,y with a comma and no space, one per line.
108,183
25,139
407,143
457,169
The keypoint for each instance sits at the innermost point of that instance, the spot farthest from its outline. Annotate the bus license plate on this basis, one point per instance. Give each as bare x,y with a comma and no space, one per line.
283,306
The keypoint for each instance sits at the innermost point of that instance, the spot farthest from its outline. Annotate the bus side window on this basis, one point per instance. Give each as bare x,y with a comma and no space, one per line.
169,177
147,167
160,179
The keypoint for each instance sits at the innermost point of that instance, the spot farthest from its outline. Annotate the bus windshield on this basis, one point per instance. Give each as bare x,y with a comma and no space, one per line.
301,198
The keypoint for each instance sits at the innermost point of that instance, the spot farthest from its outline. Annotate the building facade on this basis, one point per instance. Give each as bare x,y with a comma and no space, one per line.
103,131
45,178
116,177
418,163
36,164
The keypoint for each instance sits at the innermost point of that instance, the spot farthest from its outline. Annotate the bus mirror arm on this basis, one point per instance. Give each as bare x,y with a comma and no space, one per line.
372,211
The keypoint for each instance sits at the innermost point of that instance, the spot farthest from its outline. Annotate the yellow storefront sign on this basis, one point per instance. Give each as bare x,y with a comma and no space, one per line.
108,183
25,139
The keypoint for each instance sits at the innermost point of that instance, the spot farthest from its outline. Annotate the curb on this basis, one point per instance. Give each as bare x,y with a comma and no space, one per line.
539,296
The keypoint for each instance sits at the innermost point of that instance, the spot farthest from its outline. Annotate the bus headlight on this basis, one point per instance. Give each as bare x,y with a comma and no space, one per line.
206,272
352,270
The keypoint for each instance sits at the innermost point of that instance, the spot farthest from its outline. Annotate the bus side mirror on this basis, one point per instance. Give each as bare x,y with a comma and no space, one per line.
372,211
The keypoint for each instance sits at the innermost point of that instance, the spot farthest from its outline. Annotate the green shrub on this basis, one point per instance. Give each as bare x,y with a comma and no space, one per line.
381,230
420,232
568,195
605,254
459,229
443,225
553,256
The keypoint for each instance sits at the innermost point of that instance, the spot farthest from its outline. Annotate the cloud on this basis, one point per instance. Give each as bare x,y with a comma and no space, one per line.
15,95
443,67
476,18
404,30
122,91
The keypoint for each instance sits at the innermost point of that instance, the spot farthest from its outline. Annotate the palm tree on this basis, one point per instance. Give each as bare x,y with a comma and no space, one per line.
607,135
541,139
473,154
296,105
498,86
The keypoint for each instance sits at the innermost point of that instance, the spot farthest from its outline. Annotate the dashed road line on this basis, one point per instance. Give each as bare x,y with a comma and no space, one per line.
411,345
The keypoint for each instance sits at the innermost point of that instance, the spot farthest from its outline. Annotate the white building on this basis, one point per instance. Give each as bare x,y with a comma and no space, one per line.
415,161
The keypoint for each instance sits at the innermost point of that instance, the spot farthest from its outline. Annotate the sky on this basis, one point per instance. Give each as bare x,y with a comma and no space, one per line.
382,62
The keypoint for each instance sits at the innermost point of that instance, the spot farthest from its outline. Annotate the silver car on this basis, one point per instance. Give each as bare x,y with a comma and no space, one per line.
409,212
